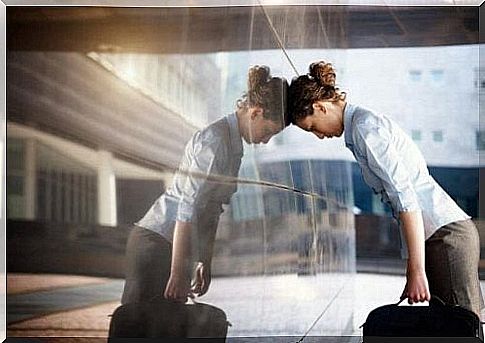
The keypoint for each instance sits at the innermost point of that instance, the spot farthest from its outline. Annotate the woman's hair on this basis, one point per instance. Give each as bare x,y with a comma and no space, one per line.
266,92
317,85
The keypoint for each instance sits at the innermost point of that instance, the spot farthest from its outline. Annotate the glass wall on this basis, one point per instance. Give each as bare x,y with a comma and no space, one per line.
155,106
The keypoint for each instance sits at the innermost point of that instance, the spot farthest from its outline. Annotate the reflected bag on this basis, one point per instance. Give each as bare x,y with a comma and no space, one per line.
162,318
436,320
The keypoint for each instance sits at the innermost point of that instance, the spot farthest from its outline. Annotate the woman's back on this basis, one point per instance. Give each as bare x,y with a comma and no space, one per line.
393,165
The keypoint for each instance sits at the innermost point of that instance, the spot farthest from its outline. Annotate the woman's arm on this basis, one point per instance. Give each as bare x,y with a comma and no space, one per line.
417,289
374,141
178,286
202,274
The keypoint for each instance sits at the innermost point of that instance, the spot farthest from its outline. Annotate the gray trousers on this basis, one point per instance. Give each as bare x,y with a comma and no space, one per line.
452,256
148,261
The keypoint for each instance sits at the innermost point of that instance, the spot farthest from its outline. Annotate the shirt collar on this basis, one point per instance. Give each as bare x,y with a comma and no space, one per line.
235,135
348,116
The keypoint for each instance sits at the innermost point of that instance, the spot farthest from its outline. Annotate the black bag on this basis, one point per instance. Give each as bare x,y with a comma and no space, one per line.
162,318
436,320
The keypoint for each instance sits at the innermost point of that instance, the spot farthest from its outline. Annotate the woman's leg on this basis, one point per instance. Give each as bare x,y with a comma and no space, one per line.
452,256
148,259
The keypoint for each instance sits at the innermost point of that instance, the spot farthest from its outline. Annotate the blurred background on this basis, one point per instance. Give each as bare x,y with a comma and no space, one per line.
101,101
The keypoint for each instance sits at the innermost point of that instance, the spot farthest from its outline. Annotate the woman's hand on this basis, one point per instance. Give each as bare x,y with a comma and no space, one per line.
178,289
416,289
202,279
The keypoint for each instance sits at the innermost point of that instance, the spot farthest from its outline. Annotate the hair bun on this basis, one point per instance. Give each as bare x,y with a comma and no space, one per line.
323,73
257,76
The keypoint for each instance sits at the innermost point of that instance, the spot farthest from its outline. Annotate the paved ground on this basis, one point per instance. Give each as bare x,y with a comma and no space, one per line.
29,283
285,305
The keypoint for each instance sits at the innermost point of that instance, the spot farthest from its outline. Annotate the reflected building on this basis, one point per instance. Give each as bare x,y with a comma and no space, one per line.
115,112
185,84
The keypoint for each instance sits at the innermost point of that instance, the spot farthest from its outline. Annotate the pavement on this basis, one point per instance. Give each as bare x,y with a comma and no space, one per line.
278,306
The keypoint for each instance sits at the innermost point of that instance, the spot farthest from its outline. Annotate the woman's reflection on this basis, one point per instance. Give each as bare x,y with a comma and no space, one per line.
159,249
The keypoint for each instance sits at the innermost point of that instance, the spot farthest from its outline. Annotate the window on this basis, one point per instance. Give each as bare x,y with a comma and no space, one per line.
480,140
15,178
415,75
15,155
438,136
479,81
437,75
416,135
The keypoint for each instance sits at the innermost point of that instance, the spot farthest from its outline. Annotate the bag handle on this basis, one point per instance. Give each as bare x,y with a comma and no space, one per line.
435,300
396,304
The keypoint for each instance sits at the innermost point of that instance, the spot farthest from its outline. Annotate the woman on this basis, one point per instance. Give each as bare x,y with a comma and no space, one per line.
442,242
159,249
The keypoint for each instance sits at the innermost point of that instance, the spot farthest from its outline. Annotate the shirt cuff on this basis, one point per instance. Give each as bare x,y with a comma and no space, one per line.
407,206
185,213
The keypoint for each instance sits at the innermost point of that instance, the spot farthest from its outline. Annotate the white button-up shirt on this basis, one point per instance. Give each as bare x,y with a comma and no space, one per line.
393,166
200,186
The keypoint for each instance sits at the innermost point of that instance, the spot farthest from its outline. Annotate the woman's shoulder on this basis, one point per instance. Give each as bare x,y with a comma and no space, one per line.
365,118
214,134
370,127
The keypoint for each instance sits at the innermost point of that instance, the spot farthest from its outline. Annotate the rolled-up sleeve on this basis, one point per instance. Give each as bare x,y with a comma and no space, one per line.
375,143
204,158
